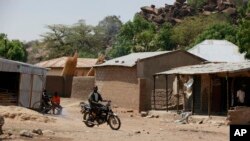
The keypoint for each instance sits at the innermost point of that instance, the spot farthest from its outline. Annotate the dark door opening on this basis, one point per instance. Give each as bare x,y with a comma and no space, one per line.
238,82
9,86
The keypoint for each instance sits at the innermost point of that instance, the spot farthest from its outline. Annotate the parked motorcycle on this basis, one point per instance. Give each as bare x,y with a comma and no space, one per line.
105,115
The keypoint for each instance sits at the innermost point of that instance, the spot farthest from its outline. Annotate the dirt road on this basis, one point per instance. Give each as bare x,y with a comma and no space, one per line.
69,127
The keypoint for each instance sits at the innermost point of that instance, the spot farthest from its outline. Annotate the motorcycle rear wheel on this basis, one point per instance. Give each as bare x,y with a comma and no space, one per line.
88,119
114,122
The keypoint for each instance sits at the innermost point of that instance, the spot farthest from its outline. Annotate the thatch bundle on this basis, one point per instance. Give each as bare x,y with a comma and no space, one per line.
100,60
70,66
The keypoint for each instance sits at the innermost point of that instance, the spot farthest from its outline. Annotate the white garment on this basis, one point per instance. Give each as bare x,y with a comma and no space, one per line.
241,96
96,96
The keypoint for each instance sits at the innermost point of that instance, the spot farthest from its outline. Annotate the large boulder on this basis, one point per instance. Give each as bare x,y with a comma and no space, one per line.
150,10
229,11
209,7
1,124
181,1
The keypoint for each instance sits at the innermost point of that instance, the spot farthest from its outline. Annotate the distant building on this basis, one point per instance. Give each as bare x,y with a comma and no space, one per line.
56,65
21,83
128,80
218,51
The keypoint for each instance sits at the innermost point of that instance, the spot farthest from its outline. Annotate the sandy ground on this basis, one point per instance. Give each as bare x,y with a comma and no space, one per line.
69,126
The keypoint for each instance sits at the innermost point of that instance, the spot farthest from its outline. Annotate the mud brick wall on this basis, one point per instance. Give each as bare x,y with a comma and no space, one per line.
82,87
120,85
239,115
61,85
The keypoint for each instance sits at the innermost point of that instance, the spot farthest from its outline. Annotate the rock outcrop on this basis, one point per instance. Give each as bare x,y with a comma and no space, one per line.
180,9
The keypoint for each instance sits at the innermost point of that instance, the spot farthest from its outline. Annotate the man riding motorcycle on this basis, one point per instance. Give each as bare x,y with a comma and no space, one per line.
94,99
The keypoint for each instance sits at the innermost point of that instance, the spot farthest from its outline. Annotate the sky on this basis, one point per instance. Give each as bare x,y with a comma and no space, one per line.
27,19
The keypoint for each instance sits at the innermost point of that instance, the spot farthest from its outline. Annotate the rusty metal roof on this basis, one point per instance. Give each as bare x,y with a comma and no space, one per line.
60,62
210,68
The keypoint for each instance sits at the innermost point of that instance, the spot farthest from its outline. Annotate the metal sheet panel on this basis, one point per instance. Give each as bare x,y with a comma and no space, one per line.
37,88
15,66
218,51
130,60
24,90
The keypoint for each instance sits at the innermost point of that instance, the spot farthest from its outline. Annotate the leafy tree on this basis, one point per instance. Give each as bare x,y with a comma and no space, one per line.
186,32
221,31
243,37
109,26
196,3
13,50
64,40
134,36
163,38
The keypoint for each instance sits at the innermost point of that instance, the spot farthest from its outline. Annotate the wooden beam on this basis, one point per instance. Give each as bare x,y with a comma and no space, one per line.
209,95
193,90
178,92
154,93
228,97
166,77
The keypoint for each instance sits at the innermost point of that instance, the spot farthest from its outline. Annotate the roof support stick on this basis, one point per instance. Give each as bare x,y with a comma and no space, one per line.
210,94
228,97
154,93
178,92
166,77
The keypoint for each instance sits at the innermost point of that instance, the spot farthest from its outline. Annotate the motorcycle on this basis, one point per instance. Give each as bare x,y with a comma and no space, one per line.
105,115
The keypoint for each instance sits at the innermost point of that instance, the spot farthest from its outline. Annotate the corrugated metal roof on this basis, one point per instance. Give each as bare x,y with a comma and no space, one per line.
210,68
218,51
131,59
60,63
15,66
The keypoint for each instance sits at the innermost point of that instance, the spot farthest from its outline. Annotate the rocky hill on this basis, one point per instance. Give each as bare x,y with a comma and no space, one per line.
180,9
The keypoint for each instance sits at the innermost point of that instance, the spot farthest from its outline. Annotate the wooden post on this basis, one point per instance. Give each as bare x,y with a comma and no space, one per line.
154,93
166,92
228,97
193,90
178,92
209,95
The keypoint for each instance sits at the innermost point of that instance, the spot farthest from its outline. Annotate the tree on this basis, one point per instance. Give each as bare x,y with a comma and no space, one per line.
62,40
223,31
163,38
134,36
196,4
109,26
184,34
243,38
12,49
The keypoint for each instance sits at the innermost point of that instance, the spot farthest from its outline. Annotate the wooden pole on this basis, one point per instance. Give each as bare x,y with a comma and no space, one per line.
154,93
193,90
228,97
209,95
166,77
178,92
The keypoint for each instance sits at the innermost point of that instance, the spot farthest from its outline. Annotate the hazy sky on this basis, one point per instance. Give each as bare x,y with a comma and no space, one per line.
26,19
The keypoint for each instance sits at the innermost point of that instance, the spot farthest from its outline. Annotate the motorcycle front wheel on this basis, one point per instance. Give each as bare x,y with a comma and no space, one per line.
114,122
88,119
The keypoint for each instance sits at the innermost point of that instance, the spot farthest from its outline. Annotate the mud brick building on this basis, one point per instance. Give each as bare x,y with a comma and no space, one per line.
128,80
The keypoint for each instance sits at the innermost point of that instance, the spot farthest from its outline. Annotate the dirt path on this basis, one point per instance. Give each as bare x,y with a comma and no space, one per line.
69,127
